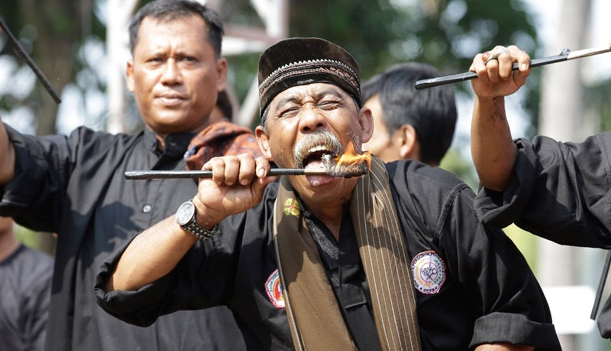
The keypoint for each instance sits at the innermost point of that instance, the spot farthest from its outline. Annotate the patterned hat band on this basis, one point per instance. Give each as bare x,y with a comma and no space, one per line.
307,72
300,61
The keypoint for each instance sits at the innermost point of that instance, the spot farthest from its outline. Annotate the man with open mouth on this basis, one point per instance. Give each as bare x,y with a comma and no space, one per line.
392,258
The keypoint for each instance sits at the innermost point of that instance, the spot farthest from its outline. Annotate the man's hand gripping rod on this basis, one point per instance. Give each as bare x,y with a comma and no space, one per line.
565,55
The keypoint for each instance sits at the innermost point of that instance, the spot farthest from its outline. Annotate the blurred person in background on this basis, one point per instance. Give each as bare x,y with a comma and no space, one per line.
223,110
409,123
25,291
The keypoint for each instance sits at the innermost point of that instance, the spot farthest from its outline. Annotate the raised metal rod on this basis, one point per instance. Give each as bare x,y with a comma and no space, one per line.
601,286
30,62
208,174
565,55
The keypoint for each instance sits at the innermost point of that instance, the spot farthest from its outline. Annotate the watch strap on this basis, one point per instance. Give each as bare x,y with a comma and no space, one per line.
185,217
200,232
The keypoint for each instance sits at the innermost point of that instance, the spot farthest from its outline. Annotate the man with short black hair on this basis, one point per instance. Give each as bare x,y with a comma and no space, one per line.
409,123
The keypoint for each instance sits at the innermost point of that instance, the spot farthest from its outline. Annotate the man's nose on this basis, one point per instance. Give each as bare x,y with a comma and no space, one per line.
311,118
171,72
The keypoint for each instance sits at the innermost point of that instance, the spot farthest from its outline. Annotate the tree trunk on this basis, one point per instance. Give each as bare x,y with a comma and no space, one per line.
562,113
57,35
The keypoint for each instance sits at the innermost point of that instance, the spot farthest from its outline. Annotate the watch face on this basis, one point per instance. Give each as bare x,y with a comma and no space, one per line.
185,213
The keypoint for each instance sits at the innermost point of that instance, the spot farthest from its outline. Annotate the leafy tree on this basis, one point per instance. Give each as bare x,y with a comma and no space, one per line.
51,32
379,33
597,101
444,33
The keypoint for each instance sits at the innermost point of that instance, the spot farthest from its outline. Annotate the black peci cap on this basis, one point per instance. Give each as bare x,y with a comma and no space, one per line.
299,61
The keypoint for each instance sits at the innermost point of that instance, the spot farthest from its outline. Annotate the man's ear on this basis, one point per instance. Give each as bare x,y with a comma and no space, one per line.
221,70
409,147
263,141
129,75
366,123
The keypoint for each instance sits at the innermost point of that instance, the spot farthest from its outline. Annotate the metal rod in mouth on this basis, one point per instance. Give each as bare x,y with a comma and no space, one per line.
146,174
565,55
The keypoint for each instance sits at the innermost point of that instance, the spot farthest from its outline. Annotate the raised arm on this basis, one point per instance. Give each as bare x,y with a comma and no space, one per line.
492,147
7,156
234,188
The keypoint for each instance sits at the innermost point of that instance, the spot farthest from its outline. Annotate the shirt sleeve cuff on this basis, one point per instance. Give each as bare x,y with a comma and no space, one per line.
503,208
141,307
515,329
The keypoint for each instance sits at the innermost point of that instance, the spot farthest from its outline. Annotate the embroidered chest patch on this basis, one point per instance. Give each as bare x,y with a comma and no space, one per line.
274,290
291,208
428,272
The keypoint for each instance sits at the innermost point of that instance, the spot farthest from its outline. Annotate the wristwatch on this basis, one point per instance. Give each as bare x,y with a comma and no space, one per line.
185,217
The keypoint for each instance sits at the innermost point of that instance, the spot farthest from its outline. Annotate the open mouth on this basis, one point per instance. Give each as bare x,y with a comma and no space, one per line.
320,158
317,150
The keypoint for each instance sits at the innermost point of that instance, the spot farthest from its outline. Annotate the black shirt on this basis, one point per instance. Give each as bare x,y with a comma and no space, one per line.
483,292
347,277
75,186
559,191
25,289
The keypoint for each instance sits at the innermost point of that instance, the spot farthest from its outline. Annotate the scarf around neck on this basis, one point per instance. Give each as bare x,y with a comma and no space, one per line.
314,315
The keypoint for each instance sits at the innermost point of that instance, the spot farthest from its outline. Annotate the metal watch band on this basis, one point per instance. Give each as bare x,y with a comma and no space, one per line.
199,231
185,217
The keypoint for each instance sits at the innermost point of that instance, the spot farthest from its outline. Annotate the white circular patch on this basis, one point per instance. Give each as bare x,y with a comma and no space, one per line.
428,272
274,290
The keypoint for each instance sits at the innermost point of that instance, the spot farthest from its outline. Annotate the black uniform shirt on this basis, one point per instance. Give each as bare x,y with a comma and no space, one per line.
559,191
75,186
347,277
25,289
473,285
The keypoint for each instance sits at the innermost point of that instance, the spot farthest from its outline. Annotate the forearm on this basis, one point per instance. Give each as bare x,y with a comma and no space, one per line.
151,255
492,148
7,156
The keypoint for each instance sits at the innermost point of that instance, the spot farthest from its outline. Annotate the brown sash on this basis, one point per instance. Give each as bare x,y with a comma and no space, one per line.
314,315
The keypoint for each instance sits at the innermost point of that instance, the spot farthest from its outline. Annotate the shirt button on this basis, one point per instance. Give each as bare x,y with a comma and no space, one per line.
146,208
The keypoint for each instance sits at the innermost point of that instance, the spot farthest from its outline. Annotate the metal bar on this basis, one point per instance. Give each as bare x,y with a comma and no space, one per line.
601,286
30,62
565,55
149,174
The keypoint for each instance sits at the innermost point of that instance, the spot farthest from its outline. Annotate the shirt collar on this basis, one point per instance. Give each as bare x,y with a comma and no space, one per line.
175,144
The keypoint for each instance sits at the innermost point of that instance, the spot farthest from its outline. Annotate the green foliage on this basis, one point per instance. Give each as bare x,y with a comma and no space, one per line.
51,32
526,243
597,101
379,33
367,29
446,34
454,162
